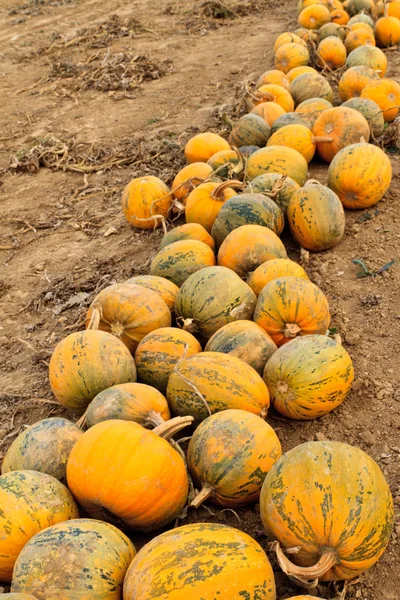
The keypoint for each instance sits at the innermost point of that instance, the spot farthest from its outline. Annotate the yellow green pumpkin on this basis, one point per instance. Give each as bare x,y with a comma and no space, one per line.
277,187
278,159
179,260
272,269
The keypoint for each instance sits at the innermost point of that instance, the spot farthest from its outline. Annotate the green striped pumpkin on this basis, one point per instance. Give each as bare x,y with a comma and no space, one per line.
279,187
179,260
371,111
250,130
278,159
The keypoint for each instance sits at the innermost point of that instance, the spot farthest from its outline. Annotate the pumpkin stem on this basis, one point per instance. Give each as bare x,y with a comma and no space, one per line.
227,121
82,423
154,418
190,384
321,138
312,182
187,324
264,412
291,330
206,491
169,428
152,218
218,193
94,319
306,577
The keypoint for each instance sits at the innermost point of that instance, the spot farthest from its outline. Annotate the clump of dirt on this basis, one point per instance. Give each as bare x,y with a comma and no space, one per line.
34,8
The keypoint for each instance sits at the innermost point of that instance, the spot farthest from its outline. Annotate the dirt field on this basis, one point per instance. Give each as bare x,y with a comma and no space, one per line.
65,72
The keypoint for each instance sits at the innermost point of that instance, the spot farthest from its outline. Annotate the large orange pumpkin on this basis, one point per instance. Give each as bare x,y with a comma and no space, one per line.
394,8
229,455
274,75
314,16
286,38
291,55
357,38
159,352
360,175
291,306
386,93
368,56
201,561
129,312
202,146
272,269
332,503
188,231
331,53
354,80
278,159
164,288
30,501
146,202
277,187
310,109
339,16
269,111
204,202
179,260
310,85
85,363
298,137
309,377
247,247
274,93
188,177
344,126
79,559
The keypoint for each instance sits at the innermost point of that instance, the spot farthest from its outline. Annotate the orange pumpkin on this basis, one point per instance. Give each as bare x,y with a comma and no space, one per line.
278,159
286,38
247,247
226,451
298,137
368,56
277,187
386,94
334,545
188,231
129,312
354,80
332,53
146,202
393,8
269,111
310,85
202,146
344,126
272,269
363,26
340,17
291,306
277,94
163,287
314,16
205,201
159,352
85,363
360,175
357,38
274,75
179,260
293,73
130,471
305,3
312,108
334,5
189,177
291,55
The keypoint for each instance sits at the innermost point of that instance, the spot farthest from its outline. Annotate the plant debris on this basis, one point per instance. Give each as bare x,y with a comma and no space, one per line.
365,272
34,8
391,136
211,14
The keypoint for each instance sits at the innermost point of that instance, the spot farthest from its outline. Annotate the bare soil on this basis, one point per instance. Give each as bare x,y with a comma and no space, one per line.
105,91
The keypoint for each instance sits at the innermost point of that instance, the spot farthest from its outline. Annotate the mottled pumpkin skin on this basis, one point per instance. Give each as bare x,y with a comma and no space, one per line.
293,73
360,175
82,559
386,93
278,94
247,247
159,352
245,340
309,110
340,17
232,452
131,472
278,159
29,501
278,187
332,52
291,55
344,125
143,198
310,85
202,146
269,111
298,137
357,38
316,217
164,288
201,561
250,130
223,162
309,377
371,111
188,231
223,381
211,298
285,38
291,306
331,29
361,18
323,495
130,402
274,76
129,312
354,80
188,177
44,447
368,56
272,269
179,260
292,118
247,209
205,202
84,364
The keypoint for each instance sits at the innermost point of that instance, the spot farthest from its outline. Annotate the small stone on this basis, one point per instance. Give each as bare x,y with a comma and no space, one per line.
320,437
367,437
357,385
352,338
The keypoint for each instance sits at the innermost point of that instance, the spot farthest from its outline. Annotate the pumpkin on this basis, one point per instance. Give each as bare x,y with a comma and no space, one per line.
311,109
229,456
332,502
371,111
202,146
274,93
277,187
368,56
30,502
331,29
179,260
250,130
243,339
130,402
129,312
247,151
201,561
344,126
360,175
212,298
314,16
274,75
305,3
79,559
387,31
146,202
334,5
246,209
188,177
291,55
84,364
269,111
357,38
278,159
386,94
293,73
19,597
340,17
188,231
331,53
44,446
308,35
310,85
291,306
309,377
272,269
316,217
354,80
164,288
211,382
361,18
363,26
291,118
159,352
247,247
285,38
298,137
130,471
353,7
226,163
205,201
393,8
